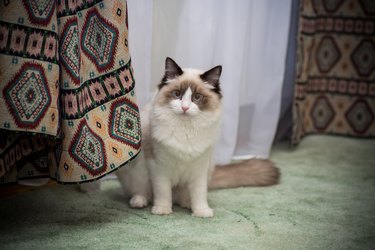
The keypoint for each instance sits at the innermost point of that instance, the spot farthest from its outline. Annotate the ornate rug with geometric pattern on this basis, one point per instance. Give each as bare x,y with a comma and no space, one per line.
67,102
335,81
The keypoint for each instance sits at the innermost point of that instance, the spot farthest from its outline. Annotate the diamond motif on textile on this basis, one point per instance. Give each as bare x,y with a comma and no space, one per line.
124,124
39,11
27,96
322,113
88,150
69,50
99,40
118,12
363,57
360,116
327,54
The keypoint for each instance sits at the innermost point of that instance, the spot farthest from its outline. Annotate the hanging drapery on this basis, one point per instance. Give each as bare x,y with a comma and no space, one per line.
335,81
247,37
67,106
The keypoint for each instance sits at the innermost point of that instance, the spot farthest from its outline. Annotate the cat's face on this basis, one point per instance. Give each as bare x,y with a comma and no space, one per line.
189,92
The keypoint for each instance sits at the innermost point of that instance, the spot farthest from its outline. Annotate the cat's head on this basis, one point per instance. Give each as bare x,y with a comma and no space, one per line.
190,92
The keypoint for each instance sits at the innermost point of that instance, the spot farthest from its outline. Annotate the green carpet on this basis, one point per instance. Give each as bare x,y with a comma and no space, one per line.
326,200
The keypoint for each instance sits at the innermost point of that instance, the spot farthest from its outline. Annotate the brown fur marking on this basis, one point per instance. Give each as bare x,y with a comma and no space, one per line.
209,102
254,172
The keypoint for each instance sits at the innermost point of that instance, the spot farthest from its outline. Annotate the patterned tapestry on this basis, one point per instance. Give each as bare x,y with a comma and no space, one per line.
335,81
67,101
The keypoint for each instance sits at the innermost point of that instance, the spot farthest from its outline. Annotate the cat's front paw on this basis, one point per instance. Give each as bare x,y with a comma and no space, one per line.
159,210
138,201
203,212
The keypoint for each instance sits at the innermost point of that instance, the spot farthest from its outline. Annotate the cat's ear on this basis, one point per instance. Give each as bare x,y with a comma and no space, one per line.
172,70
212,78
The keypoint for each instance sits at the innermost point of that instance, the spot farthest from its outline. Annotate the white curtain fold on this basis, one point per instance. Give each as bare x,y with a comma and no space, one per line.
247,37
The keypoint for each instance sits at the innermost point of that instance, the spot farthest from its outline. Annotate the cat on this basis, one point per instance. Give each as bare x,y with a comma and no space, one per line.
179,130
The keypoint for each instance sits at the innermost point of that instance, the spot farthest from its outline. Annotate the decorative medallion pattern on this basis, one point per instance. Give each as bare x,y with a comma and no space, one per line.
27,96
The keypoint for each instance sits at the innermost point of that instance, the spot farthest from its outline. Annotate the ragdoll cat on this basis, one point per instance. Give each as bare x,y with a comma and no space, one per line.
179,130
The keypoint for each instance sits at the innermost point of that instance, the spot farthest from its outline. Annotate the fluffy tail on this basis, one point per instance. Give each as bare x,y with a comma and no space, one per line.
254,172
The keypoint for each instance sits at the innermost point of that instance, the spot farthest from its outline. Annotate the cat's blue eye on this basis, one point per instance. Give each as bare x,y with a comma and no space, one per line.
176,93
197,97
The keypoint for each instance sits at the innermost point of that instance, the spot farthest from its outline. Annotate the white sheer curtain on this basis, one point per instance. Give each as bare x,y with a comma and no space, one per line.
247,37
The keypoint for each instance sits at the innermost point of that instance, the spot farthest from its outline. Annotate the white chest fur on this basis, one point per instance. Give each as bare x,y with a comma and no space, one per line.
185,139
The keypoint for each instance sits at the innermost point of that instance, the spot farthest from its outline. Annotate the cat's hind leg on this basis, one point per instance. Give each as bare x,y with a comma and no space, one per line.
135,181
138,201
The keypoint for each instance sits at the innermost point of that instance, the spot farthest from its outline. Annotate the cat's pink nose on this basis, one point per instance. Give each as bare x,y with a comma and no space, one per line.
184,108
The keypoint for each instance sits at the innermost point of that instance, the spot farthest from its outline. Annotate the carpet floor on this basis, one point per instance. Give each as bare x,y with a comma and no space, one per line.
326,200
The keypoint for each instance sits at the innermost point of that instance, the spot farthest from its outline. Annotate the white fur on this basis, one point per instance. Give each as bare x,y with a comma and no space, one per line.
175,162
